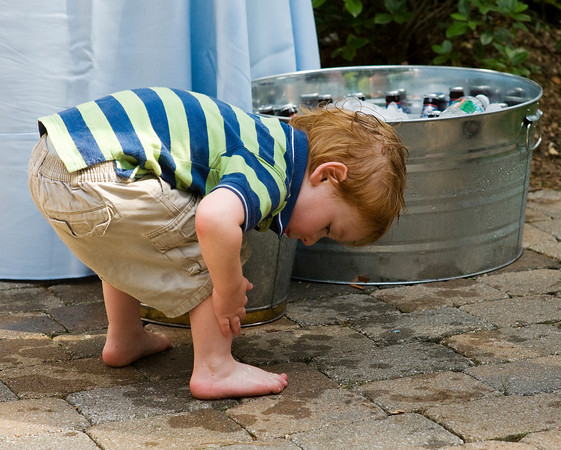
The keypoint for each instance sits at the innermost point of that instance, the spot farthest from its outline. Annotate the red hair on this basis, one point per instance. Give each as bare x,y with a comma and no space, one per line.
374,156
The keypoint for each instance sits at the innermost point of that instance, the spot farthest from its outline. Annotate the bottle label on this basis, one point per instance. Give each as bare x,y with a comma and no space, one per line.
429,110
467,105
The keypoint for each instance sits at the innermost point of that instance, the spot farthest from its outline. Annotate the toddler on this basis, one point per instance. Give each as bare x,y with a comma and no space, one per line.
154,188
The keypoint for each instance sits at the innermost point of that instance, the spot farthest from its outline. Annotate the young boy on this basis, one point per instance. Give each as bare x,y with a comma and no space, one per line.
153,189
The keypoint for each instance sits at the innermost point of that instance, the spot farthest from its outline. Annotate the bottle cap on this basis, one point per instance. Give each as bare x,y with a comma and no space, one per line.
358,95
266,109
324,99
287,111
483,99
430,99
456,93
309,100
483,89
392,96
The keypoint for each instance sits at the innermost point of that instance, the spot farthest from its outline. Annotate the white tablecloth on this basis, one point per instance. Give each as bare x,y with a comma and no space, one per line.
56,54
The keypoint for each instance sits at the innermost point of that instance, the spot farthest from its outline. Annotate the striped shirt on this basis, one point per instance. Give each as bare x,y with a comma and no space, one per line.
192,141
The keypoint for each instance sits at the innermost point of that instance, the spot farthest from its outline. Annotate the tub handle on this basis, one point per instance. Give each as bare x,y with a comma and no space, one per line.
529,122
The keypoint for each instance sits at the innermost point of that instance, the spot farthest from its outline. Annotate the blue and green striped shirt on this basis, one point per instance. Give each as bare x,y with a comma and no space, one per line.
193,142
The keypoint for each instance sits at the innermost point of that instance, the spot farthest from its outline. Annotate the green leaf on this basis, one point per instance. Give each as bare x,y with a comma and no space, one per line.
500,48
473,25
486,38
506,6
522,17
394,6
355,43
458,16
518,56
350,38
444,48
456,29
317,3
504,35
383,18
402,18
484,10
464,8
336,52
354,7
493,63
348,54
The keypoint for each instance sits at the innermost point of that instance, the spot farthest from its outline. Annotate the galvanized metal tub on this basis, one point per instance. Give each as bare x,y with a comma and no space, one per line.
467,176
268,268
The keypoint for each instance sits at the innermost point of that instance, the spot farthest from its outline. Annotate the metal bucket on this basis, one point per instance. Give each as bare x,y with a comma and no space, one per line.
467,176
269,269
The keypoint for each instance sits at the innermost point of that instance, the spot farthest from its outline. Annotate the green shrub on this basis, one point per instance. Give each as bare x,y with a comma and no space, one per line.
479,33
379,32
487,29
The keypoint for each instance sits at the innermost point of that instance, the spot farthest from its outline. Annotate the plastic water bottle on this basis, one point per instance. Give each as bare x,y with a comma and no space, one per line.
467,105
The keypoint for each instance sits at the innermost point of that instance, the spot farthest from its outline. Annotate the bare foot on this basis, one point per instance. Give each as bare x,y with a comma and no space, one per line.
119,352
234,379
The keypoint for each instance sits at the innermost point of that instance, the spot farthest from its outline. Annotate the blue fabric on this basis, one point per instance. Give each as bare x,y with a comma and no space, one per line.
60,53
235,41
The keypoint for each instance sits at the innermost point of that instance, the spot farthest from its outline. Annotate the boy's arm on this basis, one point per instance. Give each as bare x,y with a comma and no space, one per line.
218,222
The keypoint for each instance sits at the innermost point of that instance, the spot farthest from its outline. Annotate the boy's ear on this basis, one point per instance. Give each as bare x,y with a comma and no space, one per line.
333,171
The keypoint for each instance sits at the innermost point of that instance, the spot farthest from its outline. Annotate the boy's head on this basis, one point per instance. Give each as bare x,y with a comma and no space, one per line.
375,159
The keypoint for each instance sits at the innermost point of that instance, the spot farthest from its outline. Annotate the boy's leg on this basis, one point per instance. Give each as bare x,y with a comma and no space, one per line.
127,340
216,374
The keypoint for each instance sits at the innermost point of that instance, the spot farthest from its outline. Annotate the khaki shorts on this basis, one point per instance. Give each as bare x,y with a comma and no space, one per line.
139,236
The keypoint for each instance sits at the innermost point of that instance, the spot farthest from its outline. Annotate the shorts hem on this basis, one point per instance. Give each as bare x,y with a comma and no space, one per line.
188,305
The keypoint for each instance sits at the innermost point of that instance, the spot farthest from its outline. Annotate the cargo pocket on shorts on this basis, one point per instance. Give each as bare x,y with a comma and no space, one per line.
178,241
83,223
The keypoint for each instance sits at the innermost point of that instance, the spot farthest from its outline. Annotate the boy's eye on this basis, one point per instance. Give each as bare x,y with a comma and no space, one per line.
328,229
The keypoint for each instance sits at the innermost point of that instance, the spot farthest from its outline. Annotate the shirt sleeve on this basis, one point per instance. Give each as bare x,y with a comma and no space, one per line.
259,185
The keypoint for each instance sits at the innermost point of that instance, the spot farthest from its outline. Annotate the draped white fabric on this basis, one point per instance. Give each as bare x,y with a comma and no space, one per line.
56,54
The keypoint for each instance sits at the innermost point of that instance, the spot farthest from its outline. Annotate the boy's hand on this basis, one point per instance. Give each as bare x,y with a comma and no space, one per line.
230,309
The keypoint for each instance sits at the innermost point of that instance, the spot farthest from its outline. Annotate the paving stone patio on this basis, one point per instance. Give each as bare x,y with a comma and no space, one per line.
463,364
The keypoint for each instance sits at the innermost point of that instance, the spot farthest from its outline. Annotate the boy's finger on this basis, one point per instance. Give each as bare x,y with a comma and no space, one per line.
225,326
235,326
248,285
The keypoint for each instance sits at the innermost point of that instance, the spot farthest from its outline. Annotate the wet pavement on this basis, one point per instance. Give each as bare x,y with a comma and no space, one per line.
471,363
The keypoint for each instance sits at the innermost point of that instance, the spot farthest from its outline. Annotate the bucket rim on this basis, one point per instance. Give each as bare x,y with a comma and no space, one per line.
404,68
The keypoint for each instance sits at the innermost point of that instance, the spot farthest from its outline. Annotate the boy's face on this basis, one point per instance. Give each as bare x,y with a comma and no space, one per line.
320,213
